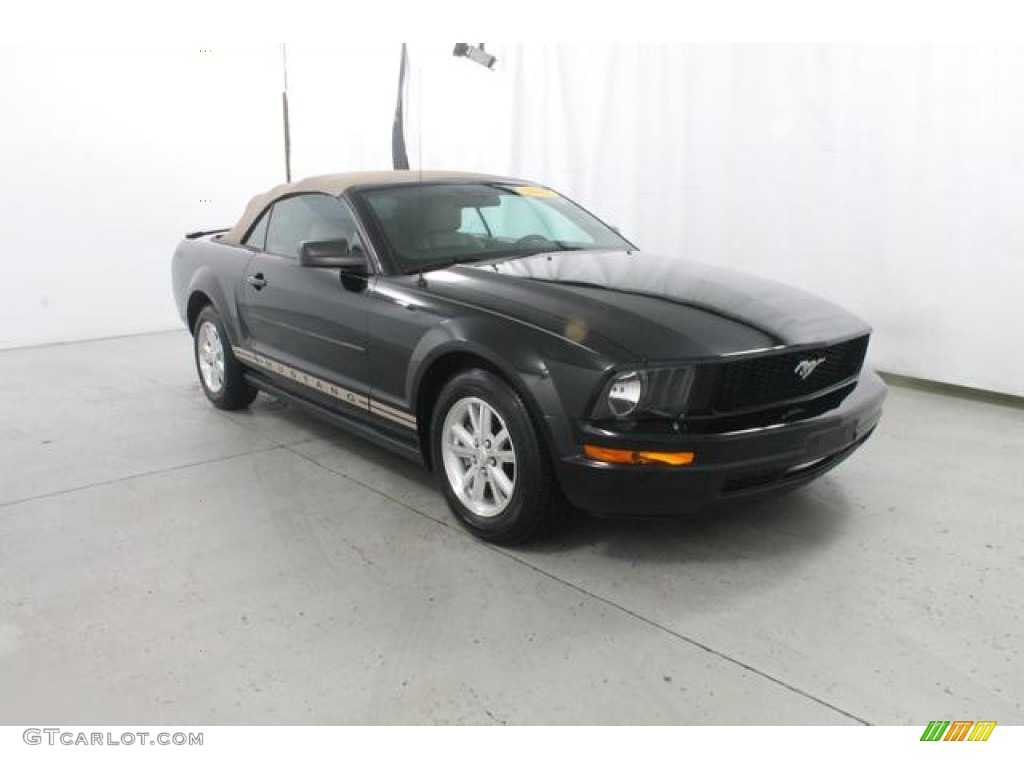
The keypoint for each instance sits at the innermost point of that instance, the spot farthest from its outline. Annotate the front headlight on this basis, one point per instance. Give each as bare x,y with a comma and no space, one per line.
624,393
647,392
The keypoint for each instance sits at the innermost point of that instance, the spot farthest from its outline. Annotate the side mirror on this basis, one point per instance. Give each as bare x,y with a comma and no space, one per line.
332,253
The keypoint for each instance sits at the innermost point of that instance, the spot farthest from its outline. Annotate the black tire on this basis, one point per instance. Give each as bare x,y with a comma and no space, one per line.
528,510
235,392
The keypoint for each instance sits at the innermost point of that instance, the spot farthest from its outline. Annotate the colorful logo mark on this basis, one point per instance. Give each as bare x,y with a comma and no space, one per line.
958,730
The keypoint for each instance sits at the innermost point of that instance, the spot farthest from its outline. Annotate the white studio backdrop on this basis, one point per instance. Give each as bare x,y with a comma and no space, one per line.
107,158
888,179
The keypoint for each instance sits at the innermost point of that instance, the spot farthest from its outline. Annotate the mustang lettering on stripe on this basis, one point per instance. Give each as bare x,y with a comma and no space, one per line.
347,396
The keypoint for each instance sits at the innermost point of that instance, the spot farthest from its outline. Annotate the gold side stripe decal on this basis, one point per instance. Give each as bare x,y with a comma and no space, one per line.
395,415
347,396
405,421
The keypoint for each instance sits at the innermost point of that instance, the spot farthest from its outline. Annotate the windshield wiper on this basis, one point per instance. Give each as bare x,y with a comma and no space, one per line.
554,247
467,258
430,266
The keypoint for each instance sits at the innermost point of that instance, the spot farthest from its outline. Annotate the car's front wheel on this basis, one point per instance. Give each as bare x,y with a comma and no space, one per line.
220,373
493,466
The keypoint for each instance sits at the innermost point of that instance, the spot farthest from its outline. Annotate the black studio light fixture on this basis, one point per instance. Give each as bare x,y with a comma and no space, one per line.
475,53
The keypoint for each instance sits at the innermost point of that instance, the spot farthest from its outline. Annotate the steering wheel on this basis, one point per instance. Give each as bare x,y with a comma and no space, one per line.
532,239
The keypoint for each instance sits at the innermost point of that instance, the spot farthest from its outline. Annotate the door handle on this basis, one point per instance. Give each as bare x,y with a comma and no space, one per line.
256,281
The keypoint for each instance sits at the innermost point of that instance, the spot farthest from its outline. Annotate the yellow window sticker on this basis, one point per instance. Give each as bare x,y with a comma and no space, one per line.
534,192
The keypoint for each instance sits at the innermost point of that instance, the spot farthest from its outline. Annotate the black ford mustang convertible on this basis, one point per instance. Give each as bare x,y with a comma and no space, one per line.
523,350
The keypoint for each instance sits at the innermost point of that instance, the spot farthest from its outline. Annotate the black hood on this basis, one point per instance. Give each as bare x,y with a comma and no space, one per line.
655,307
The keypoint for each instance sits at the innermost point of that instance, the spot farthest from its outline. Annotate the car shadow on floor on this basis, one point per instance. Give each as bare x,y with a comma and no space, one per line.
803,520
772,528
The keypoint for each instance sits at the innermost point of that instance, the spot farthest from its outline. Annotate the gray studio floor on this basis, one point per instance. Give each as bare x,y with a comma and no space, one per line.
162,562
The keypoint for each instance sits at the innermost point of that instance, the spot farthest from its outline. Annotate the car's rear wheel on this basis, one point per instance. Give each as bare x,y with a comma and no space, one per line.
220,373
492,464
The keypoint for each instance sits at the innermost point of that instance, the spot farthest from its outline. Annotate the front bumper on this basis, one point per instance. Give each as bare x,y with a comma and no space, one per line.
733,465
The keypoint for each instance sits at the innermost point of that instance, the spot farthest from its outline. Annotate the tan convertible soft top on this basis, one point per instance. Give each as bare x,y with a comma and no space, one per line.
335,184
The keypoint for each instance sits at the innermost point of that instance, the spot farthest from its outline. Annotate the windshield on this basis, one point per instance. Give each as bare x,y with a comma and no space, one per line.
427,226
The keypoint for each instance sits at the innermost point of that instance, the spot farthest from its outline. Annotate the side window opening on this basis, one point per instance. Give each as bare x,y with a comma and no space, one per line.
310,217
257,237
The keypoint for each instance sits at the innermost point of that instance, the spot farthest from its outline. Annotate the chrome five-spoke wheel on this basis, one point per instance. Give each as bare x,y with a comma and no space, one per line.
479,457
220,374
495,470
210,354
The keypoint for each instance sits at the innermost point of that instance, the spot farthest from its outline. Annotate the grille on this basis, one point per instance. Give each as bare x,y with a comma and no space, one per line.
771,379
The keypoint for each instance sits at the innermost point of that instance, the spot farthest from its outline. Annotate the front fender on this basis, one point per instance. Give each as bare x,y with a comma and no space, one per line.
555,376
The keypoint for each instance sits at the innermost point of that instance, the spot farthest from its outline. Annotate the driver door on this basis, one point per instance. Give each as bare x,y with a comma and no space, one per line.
307,325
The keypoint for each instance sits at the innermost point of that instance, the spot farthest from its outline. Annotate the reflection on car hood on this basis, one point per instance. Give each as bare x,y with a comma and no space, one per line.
656,307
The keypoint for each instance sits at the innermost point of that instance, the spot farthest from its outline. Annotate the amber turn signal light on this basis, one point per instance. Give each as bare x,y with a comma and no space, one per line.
623,456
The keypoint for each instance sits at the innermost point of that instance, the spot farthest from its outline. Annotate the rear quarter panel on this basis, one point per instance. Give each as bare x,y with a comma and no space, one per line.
214,269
